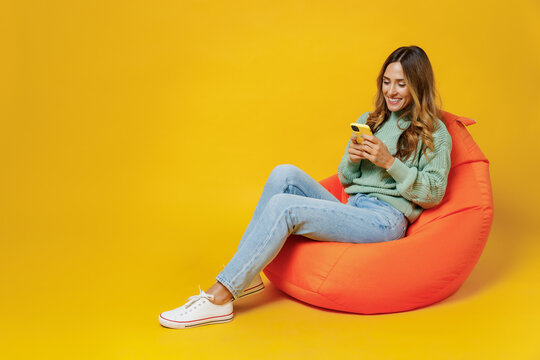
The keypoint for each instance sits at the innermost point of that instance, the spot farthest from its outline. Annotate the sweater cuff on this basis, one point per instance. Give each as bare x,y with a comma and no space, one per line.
352,166
398,170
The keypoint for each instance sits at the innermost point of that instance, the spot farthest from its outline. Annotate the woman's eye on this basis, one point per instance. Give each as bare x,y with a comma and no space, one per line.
386,82
402,85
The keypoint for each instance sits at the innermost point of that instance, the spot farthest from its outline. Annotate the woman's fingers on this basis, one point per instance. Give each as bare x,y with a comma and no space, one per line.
367,146
369,138
376,151
372,140
354,151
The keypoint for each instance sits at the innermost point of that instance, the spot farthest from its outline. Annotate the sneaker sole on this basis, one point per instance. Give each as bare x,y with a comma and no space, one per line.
252,290
194,323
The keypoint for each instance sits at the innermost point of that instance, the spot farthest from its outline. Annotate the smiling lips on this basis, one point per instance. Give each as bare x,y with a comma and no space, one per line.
393,101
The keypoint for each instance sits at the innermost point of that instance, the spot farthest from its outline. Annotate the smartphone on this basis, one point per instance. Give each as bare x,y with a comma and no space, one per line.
360,129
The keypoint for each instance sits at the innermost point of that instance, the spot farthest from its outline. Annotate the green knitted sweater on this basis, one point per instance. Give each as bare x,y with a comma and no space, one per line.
410,186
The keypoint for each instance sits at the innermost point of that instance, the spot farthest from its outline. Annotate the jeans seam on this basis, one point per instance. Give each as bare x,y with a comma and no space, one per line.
259,249
289,184
229,287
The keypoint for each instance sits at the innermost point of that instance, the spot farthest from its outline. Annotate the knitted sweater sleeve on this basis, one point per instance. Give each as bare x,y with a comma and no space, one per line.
425,185
347,170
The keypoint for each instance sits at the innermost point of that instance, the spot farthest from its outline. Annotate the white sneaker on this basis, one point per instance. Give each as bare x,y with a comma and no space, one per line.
199,310
256,286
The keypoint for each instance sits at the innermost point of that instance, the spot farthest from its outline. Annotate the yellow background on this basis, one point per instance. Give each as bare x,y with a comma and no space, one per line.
136,137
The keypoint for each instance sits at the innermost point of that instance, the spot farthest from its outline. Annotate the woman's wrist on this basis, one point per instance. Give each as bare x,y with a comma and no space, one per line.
390,163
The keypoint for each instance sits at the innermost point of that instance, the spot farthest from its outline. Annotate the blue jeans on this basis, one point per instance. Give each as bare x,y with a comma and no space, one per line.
294,203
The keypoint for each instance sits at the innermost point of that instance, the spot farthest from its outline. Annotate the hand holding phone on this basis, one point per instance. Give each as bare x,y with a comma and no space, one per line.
359,130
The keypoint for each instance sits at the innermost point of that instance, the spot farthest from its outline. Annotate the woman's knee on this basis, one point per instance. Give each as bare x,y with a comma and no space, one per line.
283,172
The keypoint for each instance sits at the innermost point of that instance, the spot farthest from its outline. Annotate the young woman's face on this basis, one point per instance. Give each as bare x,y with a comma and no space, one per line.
394,87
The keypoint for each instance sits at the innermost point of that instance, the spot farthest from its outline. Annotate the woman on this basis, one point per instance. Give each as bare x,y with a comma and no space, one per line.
390,177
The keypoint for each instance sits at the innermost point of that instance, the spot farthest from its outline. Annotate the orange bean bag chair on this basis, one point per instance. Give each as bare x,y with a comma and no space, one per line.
438,253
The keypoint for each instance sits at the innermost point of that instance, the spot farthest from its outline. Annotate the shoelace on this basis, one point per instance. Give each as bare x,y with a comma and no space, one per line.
202,295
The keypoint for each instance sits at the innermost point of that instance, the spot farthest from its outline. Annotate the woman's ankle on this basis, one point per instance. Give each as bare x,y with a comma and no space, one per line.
222,295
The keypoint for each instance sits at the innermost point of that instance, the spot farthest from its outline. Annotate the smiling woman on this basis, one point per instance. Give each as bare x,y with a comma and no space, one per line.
406,84
390,176
395,88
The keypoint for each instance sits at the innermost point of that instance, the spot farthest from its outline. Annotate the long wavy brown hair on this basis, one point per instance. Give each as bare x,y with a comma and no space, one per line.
423,109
